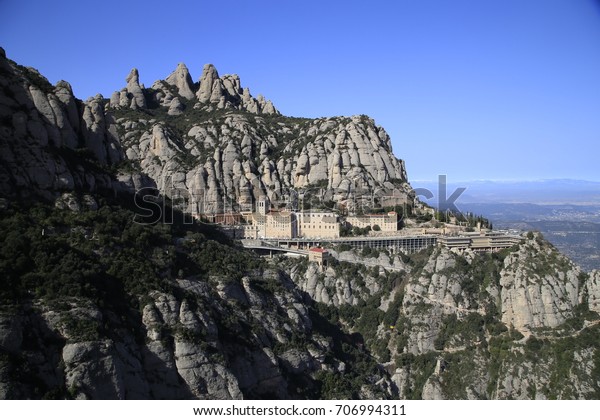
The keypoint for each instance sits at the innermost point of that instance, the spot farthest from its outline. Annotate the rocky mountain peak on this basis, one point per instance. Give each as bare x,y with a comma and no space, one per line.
221,149
132,96
182,80
209,82
178,91
62,84
133,78
227,93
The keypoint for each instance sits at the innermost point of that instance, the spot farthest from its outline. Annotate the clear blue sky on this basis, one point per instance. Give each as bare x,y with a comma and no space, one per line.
494,89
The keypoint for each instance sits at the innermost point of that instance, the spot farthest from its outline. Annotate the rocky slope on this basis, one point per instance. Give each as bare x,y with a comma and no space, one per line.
185,317
221,340
101,307
520,324
210,141
49,141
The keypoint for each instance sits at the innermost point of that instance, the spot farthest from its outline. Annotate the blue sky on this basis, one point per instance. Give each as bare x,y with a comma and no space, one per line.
495,89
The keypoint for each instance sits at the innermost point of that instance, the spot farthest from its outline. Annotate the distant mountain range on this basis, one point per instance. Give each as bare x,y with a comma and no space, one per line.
547,191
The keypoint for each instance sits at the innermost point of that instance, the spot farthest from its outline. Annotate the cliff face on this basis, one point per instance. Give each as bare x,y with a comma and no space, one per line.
98,306
222,340
431,326
210,141
540,288
46,133
521,324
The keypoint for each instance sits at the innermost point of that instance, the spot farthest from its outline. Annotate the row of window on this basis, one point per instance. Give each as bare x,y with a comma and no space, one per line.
333,226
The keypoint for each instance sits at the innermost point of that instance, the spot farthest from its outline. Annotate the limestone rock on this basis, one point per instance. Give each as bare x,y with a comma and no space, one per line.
209,81
231,171
100,133
432,391
96,370
182,80
36,115
205,379
593,291
430,297
227,92
68,201
533,294
176,107
135,90
297,361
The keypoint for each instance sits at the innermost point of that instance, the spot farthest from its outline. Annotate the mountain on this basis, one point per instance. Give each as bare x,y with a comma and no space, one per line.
96,305
211,141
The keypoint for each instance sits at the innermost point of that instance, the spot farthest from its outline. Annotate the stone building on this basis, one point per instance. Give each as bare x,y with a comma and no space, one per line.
386,222
318,255
280,225
318,225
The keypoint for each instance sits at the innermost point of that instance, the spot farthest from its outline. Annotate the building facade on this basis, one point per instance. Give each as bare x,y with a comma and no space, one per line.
318,255
480,242
280,225
386,222
318,225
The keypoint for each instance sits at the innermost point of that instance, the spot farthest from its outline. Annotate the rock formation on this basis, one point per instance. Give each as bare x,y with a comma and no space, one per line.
181,79
534,294
96,305
233,157
459,325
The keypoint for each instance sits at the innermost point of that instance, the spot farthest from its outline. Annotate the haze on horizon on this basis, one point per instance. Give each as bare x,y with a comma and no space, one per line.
502,89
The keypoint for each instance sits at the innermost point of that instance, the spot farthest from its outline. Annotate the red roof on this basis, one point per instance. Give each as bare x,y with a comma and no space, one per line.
321,250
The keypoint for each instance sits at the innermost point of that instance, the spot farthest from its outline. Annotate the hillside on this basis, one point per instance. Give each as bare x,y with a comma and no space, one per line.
210,141
96,305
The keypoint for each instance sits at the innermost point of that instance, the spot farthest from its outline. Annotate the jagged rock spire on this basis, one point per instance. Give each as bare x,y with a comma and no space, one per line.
209,78
214,92
135,89
182,80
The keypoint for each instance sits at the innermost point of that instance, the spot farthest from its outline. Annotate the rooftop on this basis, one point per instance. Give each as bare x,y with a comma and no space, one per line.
321,250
